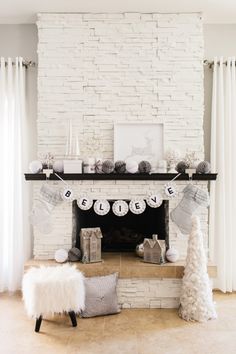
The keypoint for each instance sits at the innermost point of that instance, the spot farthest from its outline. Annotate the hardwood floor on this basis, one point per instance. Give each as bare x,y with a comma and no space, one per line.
141,331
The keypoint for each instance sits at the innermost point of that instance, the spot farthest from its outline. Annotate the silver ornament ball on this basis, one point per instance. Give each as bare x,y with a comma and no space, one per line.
139,250
74,254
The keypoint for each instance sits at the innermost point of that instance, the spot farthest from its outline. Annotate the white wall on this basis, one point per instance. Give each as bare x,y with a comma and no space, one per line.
21,40
101,69
220,40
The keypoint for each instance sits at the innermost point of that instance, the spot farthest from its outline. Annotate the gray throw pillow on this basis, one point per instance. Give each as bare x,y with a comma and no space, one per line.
101,296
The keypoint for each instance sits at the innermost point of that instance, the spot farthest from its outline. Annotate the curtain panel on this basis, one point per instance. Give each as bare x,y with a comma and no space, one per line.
223,160
14,232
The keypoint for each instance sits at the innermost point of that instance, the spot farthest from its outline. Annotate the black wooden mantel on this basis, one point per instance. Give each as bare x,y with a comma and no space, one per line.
120,177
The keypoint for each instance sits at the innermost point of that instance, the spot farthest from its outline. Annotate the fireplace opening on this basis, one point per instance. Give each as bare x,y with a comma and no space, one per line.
123,234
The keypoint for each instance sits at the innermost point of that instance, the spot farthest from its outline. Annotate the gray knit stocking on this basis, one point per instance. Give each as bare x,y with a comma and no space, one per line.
193,198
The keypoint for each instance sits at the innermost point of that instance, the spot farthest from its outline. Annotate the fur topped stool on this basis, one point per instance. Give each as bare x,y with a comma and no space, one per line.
49,290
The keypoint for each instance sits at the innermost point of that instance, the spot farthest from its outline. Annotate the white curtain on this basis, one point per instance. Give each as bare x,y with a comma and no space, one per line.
13,191
223,161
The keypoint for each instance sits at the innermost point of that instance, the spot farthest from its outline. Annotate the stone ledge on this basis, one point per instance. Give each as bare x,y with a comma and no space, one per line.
127,265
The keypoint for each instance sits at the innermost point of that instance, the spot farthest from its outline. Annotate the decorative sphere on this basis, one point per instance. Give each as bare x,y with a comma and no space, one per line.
172,255
35,166
61,255
107,166
204,167
181,166
120,166
131,166
74,254
58,166
139,250
144,167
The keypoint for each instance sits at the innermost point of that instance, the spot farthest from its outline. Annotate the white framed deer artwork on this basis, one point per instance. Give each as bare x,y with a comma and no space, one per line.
139,141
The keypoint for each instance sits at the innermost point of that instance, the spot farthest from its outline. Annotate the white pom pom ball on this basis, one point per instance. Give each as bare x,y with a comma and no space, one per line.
35,166
58,166
61,255
131,166
172,255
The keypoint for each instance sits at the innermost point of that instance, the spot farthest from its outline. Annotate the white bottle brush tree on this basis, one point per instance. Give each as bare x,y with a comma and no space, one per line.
196,303
72,141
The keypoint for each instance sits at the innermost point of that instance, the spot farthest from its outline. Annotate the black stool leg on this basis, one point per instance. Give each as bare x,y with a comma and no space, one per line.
38,323
73,318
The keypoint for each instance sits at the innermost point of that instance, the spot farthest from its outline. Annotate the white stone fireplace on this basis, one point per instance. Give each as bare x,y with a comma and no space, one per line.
61,236
102,69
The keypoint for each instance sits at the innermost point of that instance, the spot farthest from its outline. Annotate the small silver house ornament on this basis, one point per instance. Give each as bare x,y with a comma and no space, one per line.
154,250
90,244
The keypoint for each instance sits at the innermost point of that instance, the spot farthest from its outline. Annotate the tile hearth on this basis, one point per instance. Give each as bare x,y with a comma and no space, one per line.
127,265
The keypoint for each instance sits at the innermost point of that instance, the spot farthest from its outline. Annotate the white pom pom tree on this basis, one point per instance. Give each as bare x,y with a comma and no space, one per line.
196,303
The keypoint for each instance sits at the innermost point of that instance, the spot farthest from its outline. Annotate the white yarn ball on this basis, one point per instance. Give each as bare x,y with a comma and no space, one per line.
35,166
172,255
131,166
58,166
61,255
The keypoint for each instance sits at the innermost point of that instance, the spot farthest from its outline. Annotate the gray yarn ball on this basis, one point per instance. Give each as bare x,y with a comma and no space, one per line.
144,167
204,167
74,255
181,166
107,166
120,166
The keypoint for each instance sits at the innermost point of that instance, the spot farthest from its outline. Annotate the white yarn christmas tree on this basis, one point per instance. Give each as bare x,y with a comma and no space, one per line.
196,303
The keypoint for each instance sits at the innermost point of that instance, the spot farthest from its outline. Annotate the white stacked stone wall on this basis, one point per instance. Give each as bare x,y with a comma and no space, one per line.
102,69
149,293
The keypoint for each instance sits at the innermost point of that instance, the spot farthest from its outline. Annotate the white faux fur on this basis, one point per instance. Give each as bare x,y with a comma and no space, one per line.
48,290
